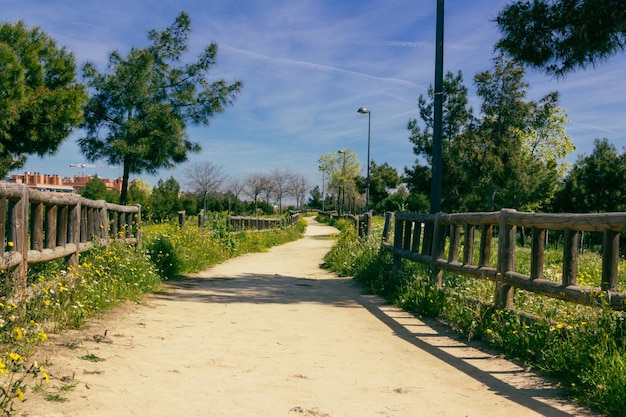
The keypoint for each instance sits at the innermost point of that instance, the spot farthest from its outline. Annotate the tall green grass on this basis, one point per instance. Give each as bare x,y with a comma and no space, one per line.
177,251
582,348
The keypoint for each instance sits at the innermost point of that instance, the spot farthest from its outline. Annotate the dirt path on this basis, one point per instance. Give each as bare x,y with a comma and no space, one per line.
274,335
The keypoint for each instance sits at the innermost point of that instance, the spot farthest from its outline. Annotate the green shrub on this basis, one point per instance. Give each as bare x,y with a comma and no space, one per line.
163,255
178,251
421,296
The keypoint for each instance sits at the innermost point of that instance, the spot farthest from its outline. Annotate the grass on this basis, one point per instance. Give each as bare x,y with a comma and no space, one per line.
92,358
583,348
63,297
177,251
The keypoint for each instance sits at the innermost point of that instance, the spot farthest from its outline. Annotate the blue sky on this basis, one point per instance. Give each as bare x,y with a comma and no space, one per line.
308,65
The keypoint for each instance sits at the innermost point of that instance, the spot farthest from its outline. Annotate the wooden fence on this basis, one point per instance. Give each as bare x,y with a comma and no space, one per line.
238,223
425,238
362,222
40,226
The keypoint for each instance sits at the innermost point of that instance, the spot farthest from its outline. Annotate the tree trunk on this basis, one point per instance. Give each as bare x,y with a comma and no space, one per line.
124,191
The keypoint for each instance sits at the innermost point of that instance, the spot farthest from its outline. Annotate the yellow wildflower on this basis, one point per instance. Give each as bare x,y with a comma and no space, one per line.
16,357
46,377
20,394
19,335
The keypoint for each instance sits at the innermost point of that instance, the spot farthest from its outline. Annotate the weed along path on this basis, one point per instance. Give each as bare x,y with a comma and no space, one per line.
273,335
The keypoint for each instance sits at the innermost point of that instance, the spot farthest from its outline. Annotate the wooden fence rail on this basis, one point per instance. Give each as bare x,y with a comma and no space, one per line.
238,223
362,222
425,238
40,226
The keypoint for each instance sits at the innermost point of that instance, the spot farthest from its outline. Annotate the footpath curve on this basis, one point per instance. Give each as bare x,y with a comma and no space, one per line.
271,334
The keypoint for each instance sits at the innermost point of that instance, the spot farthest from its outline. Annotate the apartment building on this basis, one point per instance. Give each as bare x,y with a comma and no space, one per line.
58,184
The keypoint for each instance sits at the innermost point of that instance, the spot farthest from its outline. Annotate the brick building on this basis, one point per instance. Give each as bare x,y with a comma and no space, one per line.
58,184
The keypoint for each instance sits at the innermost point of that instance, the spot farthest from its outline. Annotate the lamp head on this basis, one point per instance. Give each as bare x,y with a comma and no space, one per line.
363,110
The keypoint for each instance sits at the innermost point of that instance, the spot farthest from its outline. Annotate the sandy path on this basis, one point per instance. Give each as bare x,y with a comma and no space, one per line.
274,335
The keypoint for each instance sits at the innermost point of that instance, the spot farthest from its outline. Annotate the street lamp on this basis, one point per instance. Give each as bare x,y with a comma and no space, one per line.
323,183
342,152
364,110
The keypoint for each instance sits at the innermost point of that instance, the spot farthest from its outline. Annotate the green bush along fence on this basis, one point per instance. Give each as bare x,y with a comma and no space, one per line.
41,226
362,222
426,238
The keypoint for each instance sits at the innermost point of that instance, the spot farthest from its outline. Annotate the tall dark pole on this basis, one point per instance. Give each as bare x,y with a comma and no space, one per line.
342,208
435,189
363,110
323,184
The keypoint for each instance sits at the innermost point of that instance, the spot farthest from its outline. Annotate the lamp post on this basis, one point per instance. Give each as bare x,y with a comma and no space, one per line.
437,161
342,152
364,110
323,183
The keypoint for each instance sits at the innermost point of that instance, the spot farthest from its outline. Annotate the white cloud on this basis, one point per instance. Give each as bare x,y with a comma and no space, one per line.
308,65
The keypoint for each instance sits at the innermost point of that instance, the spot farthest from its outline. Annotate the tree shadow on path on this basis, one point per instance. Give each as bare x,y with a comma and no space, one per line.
266,289
473,359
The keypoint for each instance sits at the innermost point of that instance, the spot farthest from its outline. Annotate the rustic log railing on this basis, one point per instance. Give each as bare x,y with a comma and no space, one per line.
362,222
238,223
425,238
40,226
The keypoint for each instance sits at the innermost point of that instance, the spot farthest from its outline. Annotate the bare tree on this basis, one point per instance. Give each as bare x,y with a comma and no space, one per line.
237,186
256,184
280,181
268,188
298,186
203,179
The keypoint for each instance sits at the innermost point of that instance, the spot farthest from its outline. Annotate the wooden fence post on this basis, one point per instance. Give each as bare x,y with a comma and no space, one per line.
118,224
407,235
455,238
438,245
537,249
36,227
19,240
610,260
368,223
104,221
506,261
427,242
389,220
397,242
570,257
51,226
137,226
74,232
90,224
417,236
468,245
62,225
486,235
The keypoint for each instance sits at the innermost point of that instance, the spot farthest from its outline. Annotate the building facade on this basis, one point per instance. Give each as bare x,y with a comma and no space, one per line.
58,184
